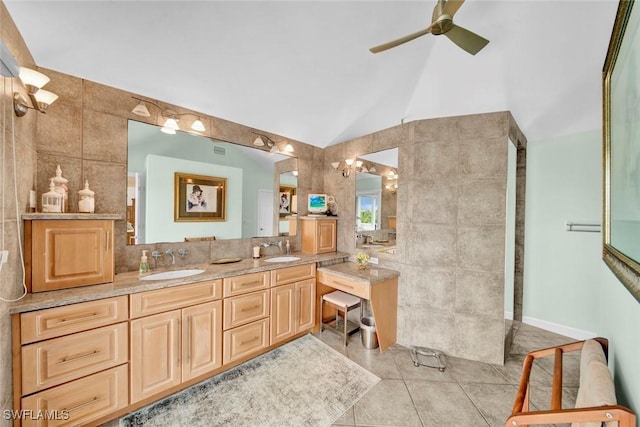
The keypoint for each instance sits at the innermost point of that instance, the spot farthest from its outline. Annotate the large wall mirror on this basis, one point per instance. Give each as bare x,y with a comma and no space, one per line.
376,201
621,231
154,158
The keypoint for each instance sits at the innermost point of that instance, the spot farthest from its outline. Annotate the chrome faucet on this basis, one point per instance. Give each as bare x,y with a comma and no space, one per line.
171,254
278,244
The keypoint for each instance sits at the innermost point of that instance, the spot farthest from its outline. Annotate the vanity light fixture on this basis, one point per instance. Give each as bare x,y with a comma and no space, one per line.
171,123
33,82
288,148
270,143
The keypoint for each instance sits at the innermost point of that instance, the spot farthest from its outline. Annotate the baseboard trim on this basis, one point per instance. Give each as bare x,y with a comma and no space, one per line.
567,331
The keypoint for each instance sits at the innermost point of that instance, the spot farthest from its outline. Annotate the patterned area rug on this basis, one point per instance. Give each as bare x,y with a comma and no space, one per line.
303,383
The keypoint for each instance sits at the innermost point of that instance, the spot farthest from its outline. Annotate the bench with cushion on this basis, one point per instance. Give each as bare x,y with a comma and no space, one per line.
596,399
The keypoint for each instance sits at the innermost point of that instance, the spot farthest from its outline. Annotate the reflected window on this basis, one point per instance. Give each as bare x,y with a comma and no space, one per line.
368,211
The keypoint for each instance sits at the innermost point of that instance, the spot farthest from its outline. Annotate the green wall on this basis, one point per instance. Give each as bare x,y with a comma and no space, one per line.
567,286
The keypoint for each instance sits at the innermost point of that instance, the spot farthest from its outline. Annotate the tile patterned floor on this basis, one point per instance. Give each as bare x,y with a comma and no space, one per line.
466,394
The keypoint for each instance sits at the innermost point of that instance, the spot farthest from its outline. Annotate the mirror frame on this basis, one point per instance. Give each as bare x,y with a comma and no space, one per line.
626,269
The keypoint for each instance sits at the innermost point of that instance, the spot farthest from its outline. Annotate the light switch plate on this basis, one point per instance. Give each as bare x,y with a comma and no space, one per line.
373,260
4,256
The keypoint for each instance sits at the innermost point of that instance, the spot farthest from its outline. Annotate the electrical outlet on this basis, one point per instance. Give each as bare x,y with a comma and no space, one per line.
4,256
373,260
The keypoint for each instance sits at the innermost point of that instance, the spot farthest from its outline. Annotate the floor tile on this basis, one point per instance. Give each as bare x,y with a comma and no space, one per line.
411,372
347,419
444,405
494,401
469,371
381,364
387,404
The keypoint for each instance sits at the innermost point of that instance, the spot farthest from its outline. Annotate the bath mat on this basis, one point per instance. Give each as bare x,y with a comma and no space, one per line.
302,383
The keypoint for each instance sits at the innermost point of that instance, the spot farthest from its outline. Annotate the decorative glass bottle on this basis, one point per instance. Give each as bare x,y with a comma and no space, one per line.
61,187
86,199
52,200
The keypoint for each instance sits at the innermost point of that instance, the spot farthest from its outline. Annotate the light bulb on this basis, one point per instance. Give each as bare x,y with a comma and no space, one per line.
198,126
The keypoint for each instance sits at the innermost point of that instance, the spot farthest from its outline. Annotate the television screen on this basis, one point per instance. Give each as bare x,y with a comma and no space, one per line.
317,203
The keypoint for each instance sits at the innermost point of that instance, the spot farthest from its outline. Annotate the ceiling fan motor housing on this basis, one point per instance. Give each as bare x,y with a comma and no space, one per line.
442,25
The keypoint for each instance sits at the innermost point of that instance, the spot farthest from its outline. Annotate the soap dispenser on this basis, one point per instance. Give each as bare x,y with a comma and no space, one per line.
144,264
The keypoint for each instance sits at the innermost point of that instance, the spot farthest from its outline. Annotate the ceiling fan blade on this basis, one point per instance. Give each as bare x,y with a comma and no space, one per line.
466,40
400,41
451,7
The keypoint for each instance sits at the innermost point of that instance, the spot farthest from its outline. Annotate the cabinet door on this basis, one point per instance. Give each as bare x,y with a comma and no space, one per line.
155,354
305,294
244,340
282,312
78,402
201,339
56,361
70,253
326,236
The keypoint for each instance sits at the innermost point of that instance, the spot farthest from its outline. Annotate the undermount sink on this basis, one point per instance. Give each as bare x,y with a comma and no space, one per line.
282,259
174,274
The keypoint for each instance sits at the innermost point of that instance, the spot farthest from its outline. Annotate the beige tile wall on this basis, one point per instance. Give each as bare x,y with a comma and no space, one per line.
451,228
19,145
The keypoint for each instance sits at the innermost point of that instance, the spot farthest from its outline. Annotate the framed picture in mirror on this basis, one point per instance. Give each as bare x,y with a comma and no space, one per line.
285,200
199,197
621,117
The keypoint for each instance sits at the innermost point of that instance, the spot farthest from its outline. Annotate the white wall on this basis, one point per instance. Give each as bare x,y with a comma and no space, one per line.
160,225
567,286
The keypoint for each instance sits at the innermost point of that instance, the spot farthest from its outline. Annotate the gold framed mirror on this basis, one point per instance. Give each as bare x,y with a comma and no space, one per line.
621,138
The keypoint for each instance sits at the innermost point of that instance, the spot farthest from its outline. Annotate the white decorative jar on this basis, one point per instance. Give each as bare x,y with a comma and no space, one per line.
52,200
86,199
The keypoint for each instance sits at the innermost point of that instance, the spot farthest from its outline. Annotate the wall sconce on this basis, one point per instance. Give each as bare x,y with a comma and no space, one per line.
271,144
170,125
350,164
33,82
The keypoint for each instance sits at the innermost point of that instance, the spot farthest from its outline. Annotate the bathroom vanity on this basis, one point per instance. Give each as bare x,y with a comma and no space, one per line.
95,353
377,285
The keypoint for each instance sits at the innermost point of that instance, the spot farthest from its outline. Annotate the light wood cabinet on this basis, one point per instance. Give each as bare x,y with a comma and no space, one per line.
78,402
175,346
318,235
72,361
246,340
292,301
202,339
66,253
59,360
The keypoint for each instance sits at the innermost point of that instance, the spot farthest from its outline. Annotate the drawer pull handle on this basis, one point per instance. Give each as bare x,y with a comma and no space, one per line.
79,318
89,402
78,357
251,340
250,308
255,283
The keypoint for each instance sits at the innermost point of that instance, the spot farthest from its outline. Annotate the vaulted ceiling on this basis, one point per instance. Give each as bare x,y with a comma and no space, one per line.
303,69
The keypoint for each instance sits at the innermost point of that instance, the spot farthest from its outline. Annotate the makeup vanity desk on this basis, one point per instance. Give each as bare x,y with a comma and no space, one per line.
378,285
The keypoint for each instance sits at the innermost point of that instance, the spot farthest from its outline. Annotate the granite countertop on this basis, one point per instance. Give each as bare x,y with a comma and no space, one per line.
69,215
368,276
130,283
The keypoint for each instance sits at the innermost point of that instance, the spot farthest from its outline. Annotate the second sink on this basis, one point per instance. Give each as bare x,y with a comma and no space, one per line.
174,274
282,259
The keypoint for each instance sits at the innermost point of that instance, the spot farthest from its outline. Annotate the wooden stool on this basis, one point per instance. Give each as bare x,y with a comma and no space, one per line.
342,302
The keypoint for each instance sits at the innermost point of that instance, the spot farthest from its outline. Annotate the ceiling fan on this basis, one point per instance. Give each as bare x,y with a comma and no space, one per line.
442,23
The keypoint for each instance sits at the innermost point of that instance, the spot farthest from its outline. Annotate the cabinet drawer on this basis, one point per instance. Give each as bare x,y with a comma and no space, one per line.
246,283
161,300
245,309
52,362
358,289
282,276
55,322
244,340
80,401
